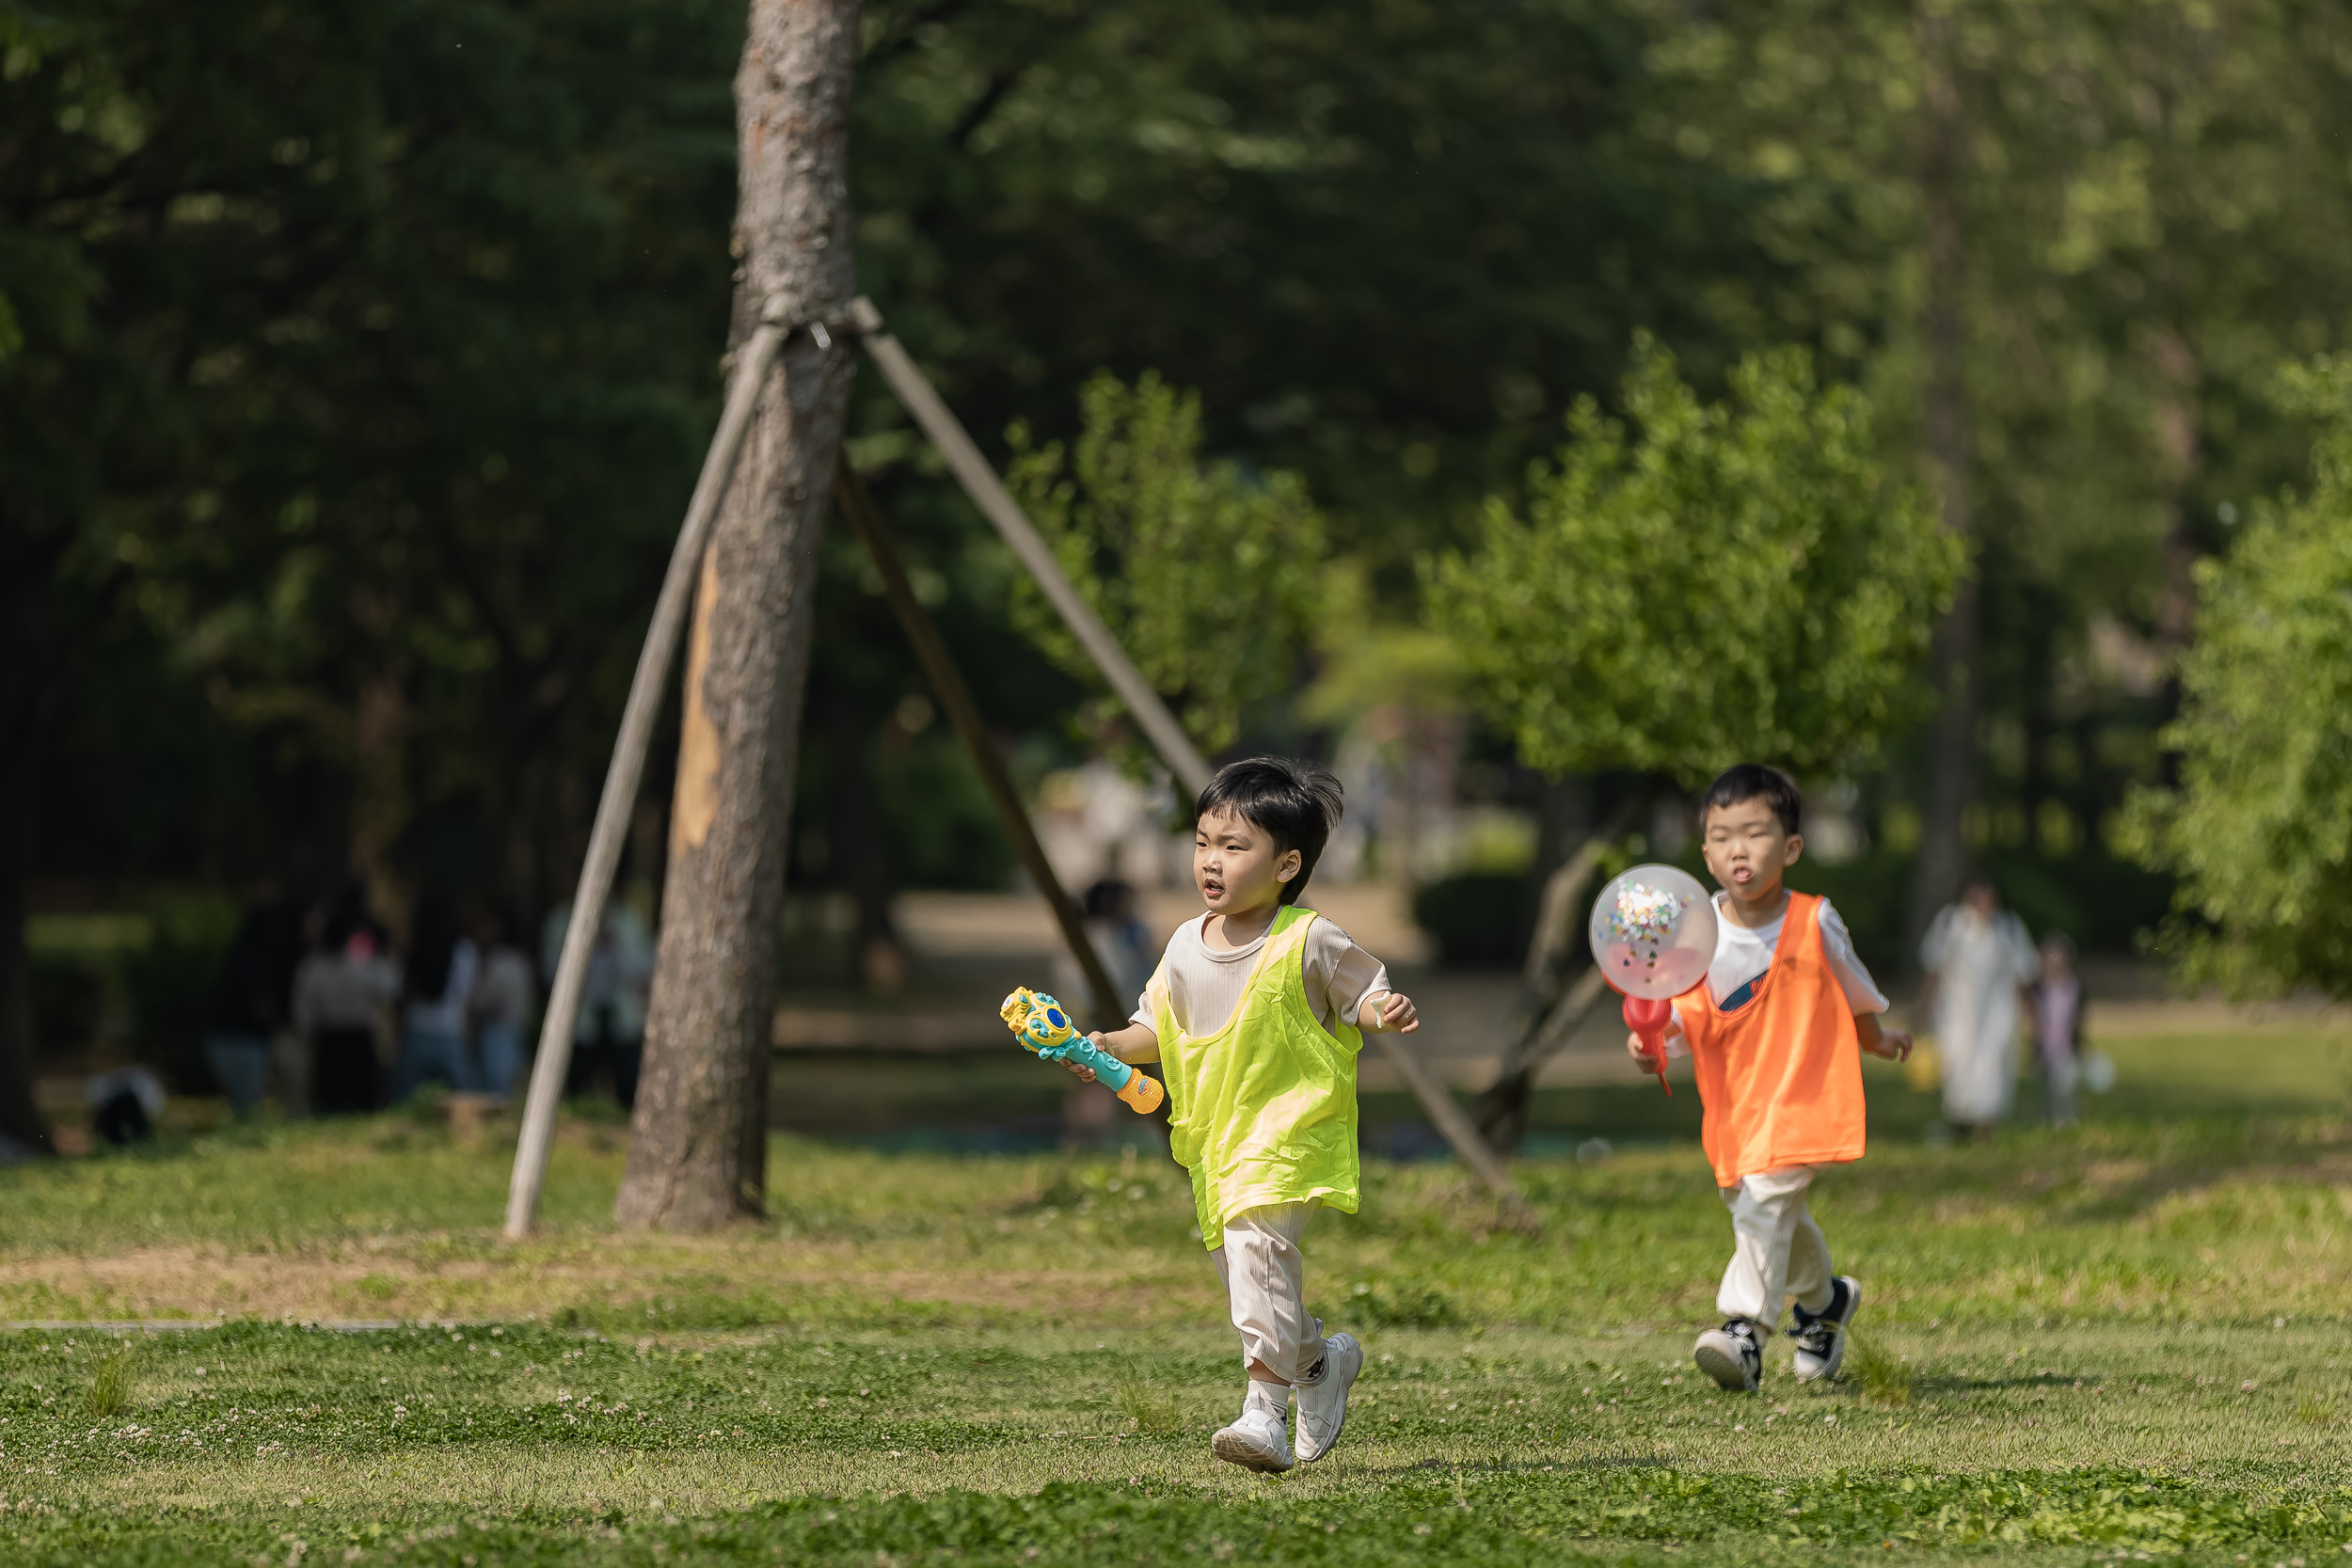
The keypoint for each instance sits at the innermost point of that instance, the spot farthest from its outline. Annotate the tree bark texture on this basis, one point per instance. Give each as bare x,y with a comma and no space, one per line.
30,672
20,767
1953,653
698,1141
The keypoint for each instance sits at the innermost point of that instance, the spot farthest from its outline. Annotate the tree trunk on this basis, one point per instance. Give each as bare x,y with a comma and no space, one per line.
27,677
1953,653
698,1142
1538,1027
20,1117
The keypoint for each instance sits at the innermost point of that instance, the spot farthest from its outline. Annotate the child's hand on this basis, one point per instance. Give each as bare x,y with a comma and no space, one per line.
1079,1069
1640,1053
1893,1044
1398,1016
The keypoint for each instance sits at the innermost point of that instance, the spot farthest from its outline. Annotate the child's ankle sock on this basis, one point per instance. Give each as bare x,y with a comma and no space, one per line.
1272,1398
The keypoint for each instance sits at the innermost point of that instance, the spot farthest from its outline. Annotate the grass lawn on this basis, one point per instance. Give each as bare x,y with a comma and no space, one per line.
2122,1341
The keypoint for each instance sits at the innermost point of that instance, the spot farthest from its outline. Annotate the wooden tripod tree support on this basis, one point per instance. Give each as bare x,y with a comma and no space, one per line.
956,697
987,492
946,433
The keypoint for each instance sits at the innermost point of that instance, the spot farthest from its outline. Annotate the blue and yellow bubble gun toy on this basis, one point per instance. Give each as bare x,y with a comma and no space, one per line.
1038,1022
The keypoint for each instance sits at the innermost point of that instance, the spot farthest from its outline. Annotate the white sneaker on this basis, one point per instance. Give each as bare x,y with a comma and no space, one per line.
1731,1356
1255,1442
1821,1340
1323,1408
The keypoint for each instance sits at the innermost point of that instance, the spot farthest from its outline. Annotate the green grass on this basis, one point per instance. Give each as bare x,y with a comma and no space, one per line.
2123,1340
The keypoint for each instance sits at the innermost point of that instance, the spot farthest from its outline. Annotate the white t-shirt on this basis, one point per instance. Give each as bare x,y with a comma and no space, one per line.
1205,983
1744,953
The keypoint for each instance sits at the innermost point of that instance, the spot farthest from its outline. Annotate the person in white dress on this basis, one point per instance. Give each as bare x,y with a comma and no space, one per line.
1978,957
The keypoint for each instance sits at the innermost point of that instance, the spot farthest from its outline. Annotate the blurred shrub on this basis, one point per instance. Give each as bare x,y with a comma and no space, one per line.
169,984
69,1001
941,829
1479,919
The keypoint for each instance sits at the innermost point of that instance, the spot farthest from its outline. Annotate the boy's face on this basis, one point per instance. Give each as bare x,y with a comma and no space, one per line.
1747,849
1237,866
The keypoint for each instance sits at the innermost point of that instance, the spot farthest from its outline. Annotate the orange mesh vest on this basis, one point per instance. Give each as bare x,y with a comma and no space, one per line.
1780,1078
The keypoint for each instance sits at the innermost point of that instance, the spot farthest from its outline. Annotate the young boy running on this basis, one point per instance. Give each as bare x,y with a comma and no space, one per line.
1775,1036
1255,1014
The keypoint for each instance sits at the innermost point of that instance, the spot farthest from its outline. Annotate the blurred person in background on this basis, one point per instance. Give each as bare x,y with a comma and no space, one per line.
2055,1008
340,993
609,1034
1978,958
503,1000
1128,955
437,984
251,1004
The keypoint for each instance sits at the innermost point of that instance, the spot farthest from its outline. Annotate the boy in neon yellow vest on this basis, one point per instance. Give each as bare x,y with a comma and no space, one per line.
1256,1015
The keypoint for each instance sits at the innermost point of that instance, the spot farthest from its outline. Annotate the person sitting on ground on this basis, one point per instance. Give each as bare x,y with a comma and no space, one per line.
1776,1036
1255,1014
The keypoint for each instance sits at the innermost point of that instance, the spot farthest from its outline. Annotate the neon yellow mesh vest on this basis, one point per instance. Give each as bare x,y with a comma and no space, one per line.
1263,1111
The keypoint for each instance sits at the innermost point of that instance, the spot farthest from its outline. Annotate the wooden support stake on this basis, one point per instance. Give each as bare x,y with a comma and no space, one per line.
752,362
956,697
988,493
1004,513
1454,1125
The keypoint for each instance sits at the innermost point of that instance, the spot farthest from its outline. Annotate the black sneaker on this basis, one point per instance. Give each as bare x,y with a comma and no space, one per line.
1822,1337
1731,1356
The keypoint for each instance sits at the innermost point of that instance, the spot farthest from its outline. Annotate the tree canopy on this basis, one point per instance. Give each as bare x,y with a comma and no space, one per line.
2260,829
1723,582
1205,573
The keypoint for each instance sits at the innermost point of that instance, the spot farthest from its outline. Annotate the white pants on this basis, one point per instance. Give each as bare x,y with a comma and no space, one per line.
1264,1279
1777,1250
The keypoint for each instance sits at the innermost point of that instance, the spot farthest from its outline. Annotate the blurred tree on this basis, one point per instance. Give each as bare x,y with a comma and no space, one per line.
2260,829
2065,245
1206,573
1734,581
357,384
1386,246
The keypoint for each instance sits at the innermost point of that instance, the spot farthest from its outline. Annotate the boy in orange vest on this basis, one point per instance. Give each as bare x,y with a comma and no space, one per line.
1776,1036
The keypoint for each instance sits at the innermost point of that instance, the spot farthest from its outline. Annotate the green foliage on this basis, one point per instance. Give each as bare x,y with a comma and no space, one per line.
375,384
1480,918
1153,1407
1205,571
1387,1304
1733,580
2260,829
111,1386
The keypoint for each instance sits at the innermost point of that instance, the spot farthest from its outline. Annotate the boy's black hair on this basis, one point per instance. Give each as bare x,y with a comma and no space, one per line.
1755,781
1295,802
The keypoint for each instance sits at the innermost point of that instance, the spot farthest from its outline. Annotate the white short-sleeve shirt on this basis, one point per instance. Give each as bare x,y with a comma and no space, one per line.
1205,983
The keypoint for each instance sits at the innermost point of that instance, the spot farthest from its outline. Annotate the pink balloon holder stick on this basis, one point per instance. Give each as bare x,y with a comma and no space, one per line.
1648,1016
